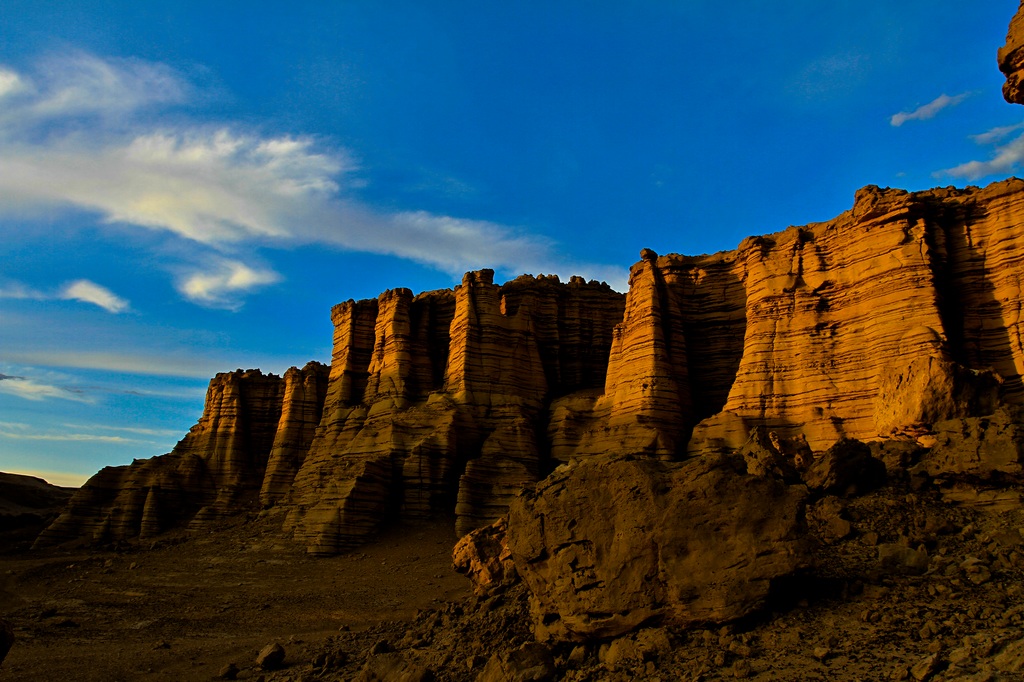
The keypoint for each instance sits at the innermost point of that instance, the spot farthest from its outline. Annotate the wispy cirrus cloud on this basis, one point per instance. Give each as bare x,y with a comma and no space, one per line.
82,290
930,110
1005,158
84,133
20,431
996,134
31,389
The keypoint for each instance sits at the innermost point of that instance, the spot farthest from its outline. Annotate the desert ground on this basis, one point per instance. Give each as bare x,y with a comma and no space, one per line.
922,584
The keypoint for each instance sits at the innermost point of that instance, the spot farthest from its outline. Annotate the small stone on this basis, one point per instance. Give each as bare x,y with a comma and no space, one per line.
381,646
228,672
924,668
271,657
741,669
822,652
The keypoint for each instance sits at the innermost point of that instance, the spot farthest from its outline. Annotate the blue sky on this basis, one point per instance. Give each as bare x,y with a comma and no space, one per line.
186,188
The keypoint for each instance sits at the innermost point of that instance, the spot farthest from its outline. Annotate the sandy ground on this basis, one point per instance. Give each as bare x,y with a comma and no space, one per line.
192,605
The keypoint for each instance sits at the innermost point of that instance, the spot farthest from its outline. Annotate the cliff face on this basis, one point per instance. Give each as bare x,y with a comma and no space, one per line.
1011,59
436,401
249,422
902,312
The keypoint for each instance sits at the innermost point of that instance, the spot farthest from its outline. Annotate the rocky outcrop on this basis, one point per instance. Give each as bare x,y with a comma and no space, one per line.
1011,59
977,448
28,504
436,402
909,298
217,468
901,313
609,544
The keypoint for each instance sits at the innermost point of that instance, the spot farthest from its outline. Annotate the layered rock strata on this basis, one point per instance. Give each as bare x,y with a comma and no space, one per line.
437,402
903,312
905,309
250,422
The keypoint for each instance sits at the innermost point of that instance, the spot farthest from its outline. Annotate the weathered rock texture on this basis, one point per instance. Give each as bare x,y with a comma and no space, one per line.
903,312
1011,59
896,312
438,402
251,425
483,556
609,544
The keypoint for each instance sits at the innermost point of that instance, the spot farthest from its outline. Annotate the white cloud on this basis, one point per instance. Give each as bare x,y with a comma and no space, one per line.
69,437
168,364
90,292
124,429
1005,159
222,286
17,290
926,111
80,84
73,136
995,134
29,389
10,82
80,290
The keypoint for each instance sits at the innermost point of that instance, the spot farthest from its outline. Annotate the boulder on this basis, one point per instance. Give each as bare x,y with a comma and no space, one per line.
532,662
847,468
271,657
977,447
607,545
483,557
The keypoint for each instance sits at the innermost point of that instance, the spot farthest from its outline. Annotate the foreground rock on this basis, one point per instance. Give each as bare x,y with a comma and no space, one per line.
609,544
483,556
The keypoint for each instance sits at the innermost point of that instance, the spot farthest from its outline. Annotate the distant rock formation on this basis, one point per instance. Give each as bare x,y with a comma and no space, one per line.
903,312
1011,59
27,505
252,428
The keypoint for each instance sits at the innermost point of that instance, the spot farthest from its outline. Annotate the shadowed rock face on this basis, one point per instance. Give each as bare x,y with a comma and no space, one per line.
1011,59
902,312
251,424
609,544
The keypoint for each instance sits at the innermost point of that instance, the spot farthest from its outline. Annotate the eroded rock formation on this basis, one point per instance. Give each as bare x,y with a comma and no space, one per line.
437,402
217,468
611,543
901,313
1011,59
27,505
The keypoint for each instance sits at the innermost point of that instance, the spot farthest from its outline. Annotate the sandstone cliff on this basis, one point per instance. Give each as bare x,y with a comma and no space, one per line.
251,423
437,402
901,313
1011,59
